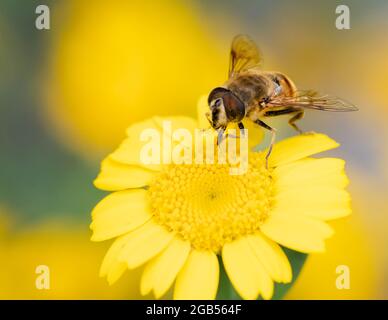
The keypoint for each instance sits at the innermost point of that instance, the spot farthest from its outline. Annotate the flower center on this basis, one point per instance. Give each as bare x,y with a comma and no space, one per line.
207,206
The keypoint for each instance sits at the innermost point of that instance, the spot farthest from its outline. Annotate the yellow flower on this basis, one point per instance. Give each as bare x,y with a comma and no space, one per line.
71,258
354,247
176,219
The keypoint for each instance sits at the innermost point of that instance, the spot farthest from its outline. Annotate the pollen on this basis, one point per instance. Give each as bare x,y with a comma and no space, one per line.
207,206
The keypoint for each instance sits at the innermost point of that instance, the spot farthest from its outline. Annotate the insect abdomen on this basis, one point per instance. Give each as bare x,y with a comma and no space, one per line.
287,85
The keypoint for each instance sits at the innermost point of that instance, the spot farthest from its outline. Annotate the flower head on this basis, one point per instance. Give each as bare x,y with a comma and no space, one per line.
177,218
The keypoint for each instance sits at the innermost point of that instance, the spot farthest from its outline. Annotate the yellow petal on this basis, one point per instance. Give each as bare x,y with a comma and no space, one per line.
144,243
176,122
116,176
297,232
111,267
266,283
160,273
163,133
198,279
320,202
130,150
299,147
118,213
245,271
307,172
177,134
271,257
116,272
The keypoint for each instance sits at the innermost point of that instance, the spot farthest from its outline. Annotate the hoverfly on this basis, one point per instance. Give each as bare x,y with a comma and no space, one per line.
253,93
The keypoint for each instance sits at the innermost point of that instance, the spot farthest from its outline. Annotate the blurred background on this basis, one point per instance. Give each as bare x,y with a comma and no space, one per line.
68,93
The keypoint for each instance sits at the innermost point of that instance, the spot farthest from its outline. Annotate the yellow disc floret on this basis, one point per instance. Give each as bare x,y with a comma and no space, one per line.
206,205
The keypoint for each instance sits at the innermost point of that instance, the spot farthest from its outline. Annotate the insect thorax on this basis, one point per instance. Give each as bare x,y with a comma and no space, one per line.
250,88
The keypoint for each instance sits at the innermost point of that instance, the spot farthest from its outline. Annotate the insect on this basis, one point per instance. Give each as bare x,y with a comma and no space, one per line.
253,93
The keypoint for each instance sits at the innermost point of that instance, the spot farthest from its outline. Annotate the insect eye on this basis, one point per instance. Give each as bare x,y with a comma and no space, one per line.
218,102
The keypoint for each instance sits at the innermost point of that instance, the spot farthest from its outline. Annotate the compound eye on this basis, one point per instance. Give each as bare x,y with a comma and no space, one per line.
218,102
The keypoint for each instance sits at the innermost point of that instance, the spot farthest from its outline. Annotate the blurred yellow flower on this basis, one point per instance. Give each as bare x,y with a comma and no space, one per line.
176,219
72,261
118,63
351,247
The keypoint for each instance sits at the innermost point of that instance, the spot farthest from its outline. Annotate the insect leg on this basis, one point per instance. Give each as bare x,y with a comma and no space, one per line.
298,114
274,113
273,137
241,127
296,117
221,136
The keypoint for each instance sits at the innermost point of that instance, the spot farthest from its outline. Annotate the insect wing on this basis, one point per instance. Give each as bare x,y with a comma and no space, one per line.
312,100
243,55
